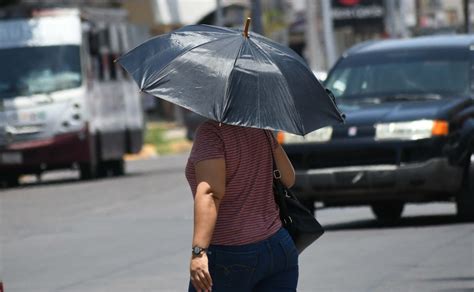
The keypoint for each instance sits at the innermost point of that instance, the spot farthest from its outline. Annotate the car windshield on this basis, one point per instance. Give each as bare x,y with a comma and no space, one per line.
404,75
35,70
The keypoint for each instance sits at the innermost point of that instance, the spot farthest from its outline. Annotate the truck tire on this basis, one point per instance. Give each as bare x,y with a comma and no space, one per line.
465,198
90,169
87,171
388,212
110,168
117,167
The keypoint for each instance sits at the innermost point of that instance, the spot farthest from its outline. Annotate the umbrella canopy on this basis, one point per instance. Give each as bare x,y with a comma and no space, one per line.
232,77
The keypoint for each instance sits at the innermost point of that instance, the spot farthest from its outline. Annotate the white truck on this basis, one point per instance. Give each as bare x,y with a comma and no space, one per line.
64,103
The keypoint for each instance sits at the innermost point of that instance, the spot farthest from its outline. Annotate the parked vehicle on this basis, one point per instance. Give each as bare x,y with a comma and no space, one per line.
409,131
63,102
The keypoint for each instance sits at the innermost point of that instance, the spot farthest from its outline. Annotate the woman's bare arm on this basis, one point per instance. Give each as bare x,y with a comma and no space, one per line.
284,166
210,178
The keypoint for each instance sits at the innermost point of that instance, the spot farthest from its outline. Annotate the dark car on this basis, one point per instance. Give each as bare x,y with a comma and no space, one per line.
408,135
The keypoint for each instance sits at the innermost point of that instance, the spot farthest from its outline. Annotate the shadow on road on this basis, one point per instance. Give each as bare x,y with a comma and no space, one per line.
45,183
455,279
412,221
456,290
72,178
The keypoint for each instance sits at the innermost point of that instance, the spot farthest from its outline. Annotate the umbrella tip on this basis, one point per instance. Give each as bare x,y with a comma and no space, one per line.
246,27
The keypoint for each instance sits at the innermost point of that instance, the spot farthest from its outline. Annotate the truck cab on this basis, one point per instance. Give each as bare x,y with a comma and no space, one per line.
63,102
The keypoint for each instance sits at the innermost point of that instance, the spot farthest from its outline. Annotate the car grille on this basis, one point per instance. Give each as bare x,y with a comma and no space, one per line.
327,158
347,132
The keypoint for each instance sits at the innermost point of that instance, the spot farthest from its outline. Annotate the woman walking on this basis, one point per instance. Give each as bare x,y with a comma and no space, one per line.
238,241
239,78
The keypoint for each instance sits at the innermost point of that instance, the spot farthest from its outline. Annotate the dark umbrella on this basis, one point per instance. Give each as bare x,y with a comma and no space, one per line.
233,77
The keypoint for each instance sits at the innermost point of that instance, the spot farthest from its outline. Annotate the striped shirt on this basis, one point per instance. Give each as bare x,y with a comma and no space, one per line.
248,212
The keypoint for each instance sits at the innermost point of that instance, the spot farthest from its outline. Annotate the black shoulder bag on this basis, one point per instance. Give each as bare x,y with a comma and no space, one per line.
300,223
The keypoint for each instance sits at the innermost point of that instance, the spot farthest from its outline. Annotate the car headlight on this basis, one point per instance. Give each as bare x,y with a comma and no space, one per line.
321,135
413,130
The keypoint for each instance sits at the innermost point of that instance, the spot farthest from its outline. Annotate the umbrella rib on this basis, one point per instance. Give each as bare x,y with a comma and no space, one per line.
225,100
182,54
266,42
286,82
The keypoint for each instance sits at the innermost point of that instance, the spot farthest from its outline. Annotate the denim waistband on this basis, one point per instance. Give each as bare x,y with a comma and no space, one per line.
279,235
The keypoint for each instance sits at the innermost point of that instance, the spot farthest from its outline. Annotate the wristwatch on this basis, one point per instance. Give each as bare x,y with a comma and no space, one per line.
197,250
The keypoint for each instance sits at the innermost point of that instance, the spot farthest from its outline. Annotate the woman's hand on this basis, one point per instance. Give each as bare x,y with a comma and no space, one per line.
200,277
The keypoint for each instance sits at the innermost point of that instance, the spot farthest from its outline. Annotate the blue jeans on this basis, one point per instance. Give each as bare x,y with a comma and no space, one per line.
268,265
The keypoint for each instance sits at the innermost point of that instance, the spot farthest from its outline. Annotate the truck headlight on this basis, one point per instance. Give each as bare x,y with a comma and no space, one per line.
413,130
320,135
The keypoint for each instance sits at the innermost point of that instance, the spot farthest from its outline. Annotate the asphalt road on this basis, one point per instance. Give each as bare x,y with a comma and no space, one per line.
133,234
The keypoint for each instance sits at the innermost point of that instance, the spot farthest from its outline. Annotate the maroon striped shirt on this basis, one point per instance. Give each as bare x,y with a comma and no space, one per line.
248,212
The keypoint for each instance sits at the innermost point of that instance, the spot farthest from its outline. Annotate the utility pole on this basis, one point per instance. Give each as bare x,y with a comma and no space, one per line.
467,16
257,17
390,24
401,16
313,47
219,20
329,33
419,13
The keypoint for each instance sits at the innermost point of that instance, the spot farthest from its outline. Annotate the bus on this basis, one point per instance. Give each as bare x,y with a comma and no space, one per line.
64,103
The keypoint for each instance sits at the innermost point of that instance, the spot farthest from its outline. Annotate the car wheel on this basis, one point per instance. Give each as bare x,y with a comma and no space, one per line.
388,212
12,181
465,198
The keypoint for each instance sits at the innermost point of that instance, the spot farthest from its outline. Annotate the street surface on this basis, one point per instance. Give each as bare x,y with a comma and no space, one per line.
134,234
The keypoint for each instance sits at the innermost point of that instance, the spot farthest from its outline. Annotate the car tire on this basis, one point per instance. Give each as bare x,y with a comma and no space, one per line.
12,181
388,212
465,198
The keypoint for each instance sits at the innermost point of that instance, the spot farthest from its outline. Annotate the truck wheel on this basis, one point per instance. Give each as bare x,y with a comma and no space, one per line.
465,198
90,169
87,171
103,169
117,167
388,212
110,168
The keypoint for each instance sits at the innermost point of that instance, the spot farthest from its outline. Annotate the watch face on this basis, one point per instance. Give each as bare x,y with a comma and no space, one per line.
197,250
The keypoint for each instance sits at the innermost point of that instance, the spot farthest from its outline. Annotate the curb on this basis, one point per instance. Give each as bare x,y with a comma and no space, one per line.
148,152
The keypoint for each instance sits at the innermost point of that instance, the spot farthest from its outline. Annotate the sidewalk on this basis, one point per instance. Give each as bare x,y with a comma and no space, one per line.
162,138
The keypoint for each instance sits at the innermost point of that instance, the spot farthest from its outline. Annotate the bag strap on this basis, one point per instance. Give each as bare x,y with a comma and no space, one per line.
279,189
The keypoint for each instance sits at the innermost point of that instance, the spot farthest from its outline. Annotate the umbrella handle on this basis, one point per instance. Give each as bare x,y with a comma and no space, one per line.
246,28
